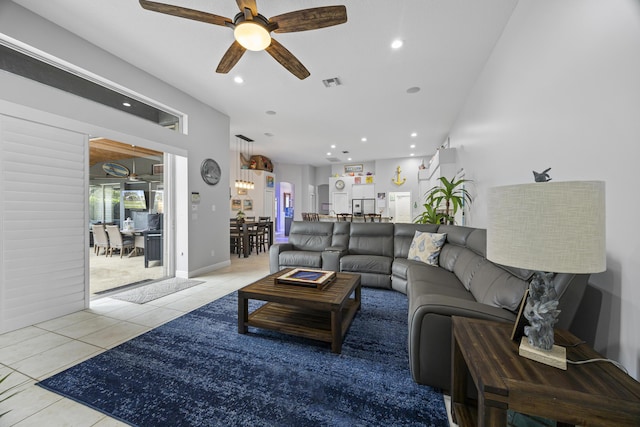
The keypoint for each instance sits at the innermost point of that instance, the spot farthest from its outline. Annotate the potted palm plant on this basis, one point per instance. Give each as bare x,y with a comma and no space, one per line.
4,394
450,195
430,215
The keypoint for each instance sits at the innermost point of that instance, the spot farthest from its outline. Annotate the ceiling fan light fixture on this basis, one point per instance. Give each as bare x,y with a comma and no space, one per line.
252,36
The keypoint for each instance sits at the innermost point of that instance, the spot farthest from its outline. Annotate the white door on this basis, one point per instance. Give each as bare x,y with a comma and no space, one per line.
269,204
341,203
400,206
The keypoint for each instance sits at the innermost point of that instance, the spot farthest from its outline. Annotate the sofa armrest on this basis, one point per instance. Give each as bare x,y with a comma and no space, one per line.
451,306
430,334
274,255
331,258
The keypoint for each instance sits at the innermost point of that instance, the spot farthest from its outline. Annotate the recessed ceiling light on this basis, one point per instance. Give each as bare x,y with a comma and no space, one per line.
396,44
414,89
270,112
412,154
333,145
412,146
414,134
329,153
126,104
238,79
349,159
363,139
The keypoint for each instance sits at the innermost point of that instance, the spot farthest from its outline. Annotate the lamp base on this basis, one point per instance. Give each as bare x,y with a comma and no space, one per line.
556,357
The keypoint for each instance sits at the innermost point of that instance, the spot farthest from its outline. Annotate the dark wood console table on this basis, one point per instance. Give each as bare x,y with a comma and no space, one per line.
592,394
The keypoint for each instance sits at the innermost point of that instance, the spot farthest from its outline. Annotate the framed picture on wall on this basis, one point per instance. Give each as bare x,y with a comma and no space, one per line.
353,168
270,181
236,204
247,205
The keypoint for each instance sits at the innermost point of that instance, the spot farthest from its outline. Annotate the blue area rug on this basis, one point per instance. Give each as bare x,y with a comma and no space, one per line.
198,371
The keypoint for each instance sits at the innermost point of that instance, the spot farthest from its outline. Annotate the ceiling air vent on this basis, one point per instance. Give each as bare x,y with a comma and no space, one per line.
244,137
333,159
333,82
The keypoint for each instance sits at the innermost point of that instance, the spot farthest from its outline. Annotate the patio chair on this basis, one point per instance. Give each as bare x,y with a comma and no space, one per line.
117,241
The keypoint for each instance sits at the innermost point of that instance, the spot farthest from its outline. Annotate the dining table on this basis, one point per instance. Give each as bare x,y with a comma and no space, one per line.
246,226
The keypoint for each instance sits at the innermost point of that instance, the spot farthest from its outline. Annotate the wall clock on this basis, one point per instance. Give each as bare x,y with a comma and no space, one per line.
339,184
115,169
210,171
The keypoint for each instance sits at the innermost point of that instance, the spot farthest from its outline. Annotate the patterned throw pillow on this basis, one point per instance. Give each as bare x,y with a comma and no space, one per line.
426,247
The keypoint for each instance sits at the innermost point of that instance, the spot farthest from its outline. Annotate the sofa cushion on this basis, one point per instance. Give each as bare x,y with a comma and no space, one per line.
340,237
467,263
366,264
371,238
401,266
456,243
495,286
426,247
300,259
403,236
310,235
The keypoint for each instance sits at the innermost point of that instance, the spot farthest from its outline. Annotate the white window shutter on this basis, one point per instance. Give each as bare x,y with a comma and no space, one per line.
43,222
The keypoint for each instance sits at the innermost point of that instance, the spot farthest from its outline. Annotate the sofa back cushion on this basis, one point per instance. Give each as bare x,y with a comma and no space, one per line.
340,236
493,285
403,236
310,235
372,238
456,242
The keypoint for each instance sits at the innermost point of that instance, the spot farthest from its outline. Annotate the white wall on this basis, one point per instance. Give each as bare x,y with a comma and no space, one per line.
257,195
206,247
385,171
299,177
562,90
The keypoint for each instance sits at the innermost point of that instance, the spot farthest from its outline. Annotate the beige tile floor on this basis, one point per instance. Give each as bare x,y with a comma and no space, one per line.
39,351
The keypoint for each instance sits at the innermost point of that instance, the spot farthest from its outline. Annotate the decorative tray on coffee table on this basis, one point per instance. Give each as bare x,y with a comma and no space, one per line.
304,277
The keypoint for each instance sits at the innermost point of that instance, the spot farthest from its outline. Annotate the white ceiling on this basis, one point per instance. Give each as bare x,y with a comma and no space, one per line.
446,44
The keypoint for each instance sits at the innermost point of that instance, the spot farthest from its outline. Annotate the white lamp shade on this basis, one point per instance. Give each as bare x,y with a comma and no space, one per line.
555,227
252,36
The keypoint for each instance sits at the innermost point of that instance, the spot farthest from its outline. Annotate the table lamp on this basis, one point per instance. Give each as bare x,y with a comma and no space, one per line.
547,227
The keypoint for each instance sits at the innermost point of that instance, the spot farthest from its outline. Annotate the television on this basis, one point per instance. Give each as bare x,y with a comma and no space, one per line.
134,199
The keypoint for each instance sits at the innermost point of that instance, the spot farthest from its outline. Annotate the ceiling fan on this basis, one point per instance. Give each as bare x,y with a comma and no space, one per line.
252,30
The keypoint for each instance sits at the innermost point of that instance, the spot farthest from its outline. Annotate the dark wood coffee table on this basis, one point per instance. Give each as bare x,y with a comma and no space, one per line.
319,314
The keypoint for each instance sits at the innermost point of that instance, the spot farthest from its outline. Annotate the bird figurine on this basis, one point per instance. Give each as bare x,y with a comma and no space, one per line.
543,176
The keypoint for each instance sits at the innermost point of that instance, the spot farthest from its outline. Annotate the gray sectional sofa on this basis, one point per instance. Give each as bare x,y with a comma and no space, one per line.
463,283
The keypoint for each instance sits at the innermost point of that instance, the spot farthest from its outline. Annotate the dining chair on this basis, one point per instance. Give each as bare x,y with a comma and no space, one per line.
373,217
117,241
100,239
235,238
344,217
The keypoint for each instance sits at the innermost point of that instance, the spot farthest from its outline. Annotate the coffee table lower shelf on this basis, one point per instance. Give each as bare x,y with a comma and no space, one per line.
303,322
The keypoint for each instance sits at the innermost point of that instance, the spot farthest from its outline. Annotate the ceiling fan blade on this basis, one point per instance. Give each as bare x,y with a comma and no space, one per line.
288,61
184,12
230,58
248,4
310,19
